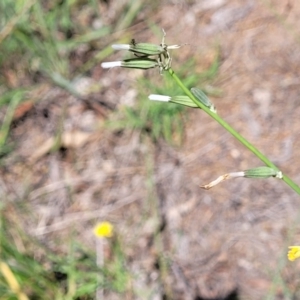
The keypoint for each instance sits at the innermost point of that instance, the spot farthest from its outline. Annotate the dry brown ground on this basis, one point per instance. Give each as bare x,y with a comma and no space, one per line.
231,238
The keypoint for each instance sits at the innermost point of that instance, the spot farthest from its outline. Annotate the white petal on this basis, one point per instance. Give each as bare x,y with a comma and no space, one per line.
174,46
121,46
159,98
236,174
111,64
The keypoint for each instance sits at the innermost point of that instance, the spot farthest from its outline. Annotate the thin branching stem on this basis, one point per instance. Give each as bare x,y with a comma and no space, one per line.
240,138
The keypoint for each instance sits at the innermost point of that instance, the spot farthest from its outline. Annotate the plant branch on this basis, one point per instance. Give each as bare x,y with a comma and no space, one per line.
240,138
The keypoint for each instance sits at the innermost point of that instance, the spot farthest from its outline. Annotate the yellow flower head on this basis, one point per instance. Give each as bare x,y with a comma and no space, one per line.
103,229
293,253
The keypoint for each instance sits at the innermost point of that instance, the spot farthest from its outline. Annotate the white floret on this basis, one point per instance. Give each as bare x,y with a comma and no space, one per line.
120,46
111,64
156,97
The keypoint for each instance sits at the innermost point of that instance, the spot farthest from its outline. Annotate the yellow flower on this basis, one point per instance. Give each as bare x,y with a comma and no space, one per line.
103,229
293,253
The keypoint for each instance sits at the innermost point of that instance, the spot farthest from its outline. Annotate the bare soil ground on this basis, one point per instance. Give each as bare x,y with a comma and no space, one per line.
231,240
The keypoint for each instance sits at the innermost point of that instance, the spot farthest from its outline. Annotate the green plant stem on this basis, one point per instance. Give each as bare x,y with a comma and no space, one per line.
240,138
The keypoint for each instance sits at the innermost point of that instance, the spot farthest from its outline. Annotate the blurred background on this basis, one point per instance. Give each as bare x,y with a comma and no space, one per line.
81,145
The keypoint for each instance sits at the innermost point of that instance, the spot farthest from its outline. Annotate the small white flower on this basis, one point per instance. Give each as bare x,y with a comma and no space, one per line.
111,64
174,46
120,46
156,97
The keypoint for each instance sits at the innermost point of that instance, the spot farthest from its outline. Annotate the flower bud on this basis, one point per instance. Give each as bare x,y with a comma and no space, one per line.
136,63
262,172
199,95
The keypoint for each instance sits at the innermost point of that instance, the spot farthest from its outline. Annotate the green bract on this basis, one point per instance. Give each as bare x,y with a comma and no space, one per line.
199,95
262,172
147,49
139,63
183,100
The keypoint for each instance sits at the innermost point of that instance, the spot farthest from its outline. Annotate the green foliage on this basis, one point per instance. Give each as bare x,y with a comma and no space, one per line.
5,126
42,35
116,274
74,275
28,272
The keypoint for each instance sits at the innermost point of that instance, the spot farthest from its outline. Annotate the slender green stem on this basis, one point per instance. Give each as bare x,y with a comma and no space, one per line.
245,142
